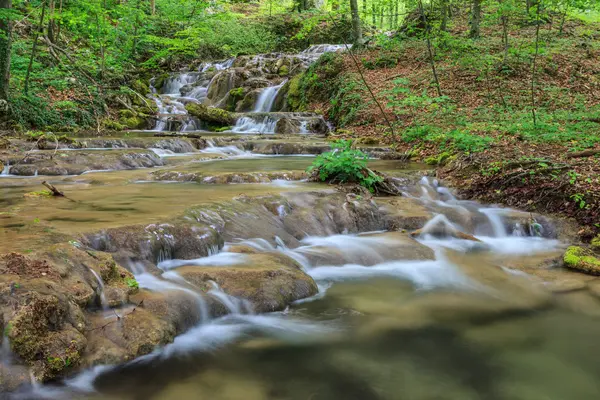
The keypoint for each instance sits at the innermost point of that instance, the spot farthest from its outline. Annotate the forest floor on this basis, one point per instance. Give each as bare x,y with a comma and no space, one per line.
481,132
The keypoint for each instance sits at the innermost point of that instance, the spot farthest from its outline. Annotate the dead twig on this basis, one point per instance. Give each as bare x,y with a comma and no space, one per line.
55,191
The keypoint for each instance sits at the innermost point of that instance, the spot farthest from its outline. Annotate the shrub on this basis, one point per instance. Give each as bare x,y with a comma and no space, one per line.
344,165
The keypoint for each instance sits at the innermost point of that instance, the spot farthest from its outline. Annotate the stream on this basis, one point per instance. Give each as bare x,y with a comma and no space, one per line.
393,316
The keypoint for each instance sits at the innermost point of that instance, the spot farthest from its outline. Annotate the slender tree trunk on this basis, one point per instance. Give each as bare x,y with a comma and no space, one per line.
374,14
153,7
52,31
381,17
534,62
5,44
444,12
429,49
475,19
358,40
563,19
39,32
364,9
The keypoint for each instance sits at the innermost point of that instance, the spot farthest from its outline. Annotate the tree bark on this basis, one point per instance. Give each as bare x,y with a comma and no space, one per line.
429,49
444,12
153,7
356,27
475,19
34,49
5,45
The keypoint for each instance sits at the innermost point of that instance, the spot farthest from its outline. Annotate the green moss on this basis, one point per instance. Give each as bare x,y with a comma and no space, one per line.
133,122
439,159
596,243
140,87
284,70
582,259
212,115
112,125
294,97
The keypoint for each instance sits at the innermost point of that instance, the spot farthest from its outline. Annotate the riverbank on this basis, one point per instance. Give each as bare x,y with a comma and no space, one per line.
488,134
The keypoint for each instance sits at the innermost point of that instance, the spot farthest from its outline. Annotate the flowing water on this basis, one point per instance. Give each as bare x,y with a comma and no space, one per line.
436,316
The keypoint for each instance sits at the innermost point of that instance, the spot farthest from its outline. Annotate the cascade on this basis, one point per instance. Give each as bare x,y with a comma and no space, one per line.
267,98
183,88
100,290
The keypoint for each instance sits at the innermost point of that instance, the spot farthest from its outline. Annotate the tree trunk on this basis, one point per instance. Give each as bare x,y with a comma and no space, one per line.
444,12
430,49
39,32
374,14
475,19
5,44
356,28
153,7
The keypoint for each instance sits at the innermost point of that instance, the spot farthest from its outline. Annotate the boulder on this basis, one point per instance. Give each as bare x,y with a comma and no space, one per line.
211,115
269,281
583,260
287,126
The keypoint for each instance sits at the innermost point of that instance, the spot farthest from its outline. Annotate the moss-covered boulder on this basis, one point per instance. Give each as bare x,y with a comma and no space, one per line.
211,115
583,260
236,96
269,281
596,243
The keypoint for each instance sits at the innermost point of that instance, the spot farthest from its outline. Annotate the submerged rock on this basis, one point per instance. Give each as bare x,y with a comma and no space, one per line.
582,260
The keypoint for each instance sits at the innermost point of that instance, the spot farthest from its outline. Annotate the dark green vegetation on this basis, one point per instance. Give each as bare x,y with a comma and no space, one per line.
345,165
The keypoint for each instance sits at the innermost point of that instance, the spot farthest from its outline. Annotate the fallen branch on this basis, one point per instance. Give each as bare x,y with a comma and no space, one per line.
55,191
581,154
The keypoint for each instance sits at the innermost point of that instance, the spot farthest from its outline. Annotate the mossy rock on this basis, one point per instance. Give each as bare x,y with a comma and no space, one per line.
112,125
159,81
284,70
581,259
127,113
439,159
140,87
596,243
212,115
367,141
133,122
294,94
235,96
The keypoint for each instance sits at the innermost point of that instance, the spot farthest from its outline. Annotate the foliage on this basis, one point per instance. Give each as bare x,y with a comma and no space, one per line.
345,165
132,283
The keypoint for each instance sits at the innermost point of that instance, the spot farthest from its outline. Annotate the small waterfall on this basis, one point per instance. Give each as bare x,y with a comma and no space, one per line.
495,218
267,98
226,151
6,356
251,125
233,304
100,290
6,170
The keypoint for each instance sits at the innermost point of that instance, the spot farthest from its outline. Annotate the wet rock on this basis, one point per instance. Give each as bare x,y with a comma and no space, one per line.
211,115
79,161
287,126
269,281
442,228
222,84
180,240
581,259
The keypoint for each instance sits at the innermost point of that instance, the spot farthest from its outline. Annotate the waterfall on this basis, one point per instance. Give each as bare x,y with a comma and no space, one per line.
267,98
103,301
233,304
6,170
493,215
252,125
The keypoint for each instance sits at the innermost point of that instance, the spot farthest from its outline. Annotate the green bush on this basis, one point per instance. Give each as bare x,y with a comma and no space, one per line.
344,165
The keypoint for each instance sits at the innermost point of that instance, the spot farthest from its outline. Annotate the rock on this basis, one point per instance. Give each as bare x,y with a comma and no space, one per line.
443,229
582,260
235,96
287,126
212,115
595,244
269,281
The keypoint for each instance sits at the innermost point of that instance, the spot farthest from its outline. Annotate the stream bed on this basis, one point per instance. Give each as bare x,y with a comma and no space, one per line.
261,285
